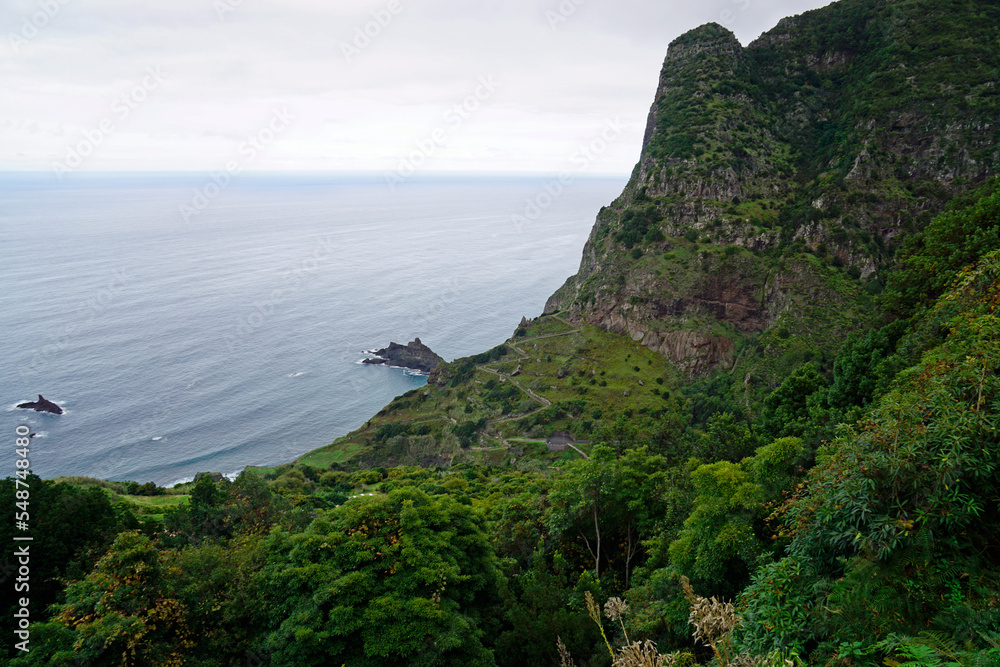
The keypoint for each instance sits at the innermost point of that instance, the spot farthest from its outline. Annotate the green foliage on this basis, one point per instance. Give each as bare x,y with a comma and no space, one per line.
542,606
956,239
721,543
638,225
919,460
934,650
404,578
490,355
858,370
466,431
787,410
71,528
898,514
727,440
222,510
777,608
121,612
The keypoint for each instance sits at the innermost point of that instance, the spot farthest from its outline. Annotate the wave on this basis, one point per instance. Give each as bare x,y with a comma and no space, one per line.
28,411
411,372
231,476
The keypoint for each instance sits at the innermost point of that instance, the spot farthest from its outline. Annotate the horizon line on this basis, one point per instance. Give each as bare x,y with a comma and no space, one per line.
320,172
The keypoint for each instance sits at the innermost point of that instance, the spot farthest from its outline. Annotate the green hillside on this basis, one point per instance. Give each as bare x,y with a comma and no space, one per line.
779,365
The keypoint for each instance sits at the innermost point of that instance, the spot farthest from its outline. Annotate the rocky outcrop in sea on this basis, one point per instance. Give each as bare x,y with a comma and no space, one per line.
42,405
413,355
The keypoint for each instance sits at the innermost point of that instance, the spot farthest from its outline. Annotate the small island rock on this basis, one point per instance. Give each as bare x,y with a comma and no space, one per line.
42,405
413,355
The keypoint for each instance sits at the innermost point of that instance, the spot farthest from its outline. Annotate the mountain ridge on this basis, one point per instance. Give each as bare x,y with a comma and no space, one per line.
779,157
774,185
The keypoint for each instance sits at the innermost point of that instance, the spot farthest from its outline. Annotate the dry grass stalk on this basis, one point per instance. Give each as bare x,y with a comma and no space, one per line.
712,620
770,660
565,659
594,610
643,655
615,608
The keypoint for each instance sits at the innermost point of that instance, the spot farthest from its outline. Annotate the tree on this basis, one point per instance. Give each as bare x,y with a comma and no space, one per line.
728,439
406,578
954,240
787,408
72,527
539,611
898,521
722,540
122,614
579,499
857,371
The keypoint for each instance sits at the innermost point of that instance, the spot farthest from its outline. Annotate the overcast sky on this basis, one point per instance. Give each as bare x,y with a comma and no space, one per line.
381,85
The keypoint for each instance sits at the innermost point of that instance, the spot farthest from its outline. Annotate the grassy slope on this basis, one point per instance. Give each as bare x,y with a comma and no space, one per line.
570,379
143,507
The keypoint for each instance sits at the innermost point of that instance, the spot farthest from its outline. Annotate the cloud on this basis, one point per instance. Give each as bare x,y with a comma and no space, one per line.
366,78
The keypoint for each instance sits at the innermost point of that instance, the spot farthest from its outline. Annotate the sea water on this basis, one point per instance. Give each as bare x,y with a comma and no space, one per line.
185,325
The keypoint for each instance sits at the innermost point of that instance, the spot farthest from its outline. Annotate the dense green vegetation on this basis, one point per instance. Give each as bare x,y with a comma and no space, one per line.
854,521
811,480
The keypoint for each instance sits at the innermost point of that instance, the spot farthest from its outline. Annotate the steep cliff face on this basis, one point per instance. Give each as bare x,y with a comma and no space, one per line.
776,180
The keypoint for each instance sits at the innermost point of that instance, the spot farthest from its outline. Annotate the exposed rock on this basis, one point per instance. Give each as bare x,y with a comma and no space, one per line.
413,355
517,371
42,405
730,130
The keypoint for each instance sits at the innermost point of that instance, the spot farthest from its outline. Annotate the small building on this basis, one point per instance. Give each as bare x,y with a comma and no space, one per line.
559,441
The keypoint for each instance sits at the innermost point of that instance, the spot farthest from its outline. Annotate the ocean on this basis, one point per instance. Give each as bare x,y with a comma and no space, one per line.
185,325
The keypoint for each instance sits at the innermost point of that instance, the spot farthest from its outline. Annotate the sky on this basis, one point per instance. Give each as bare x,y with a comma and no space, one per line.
389,86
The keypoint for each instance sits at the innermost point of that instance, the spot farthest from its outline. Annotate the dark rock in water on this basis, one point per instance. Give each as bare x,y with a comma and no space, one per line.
42,405
214,476
413,355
